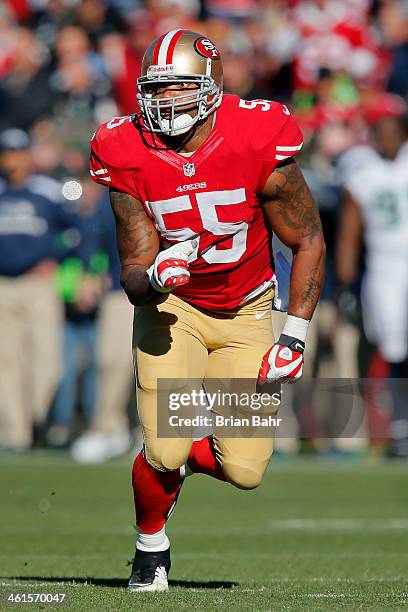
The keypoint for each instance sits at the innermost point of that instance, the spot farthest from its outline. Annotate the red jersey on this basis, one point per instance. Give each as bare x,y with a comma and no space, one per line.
212,194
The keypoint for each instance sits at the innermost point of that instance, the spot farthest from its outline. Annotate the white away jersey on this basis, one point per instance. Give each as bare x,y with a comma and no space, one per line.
380,188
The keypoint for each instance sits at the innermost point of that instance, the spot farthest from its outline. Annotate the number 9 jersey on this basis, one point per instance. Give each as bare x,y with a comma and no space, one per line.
211,195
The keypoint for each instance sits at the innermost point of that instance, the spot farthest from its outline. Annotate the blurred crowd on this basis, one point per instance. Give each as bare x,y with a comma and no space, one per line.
68,65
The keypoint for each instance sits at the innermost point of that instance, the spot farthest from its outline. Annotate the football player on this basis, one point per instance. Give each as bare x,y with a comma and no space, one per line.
375,211
198,182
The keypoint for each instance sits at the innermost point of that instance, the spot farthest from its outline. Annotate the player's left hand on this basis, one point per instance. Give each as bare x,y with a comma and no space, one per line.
283,362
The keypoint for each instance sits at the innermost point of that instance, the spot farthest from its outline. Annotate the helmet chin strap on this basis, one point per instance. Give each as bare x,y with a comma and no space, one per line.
181,124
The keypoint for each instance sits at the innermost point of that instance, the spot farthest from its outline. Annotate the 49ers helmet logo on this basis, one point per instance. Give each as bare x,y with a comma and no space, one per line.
206,48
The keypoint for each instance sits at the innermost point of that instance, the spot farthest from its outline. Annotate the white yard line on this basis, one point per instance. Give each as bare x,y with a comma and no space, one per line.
304,525
342,524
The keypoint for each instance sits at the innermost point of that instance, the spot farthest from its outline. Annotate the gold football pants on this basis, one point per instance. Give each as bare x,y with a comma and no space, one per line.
178,341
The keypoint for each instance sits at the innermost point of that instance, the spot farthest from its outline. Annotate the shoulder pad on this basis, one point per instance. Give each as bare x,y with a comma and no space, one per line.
112,140
116,149
265,129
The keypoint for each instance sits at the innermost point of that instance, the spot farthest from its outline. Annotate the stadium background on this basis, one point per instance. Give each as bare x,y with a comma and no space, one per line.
340,536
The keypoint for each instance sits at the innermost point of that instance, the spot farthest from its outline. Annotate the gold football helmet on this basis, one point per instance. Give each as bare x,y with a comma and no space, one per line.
186,59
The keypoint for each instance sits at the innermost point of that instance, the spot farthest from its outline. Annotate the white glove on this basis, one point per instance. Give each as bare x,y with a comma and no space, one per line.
283,362
170,268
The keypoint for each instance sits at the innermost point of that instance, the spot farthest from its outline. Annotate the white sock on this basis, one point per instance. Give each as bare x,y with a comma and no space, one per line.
152,542
185,471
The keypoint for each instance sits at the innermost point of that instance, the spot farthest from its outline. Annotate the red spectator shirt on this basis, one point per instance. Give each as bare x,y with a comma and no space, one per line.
212,194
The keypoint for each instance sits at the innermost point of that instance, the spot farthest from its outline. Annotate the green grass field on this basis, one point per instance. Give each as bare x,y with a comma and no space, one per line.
314,536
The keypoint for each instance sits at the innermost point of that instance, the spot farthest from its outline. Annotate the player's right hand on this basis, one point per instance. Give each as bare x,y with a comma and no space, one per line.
170,268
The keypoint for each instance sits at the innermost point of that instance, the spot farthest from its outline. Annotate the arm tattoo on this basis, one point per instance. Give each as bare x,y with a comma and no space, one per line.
311,293
134,230
293,201
138,245
292,214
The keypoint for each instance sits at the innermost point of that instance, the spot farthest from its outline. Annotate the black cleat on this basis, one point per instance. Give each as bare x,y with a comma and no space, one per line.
150,571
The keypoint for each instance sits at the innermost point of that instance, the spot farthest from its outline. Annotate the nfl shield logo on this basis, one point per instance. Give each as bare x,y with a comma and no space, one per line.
189,169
